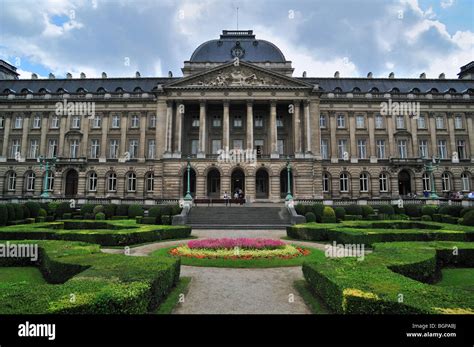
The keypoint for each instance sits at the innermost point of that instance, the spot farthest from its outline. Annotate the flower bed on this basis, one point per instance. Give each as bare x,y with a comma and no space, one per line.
238,249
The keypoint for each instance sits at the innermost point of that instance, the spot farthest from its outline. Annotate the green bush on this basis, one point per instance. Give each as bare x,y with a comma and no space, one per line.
329,216
366,210
67,215
300,209
89,216
176,209
40,219
26,211
429,210
166,219
33,208
138,219
373,216
310,217
119,217
135,210
11,212
412,210
42,212
340,212
52,207
352,217
62,209
98,209
87,208
19,212
3,214
385,209
318,210
122,210
110,210
453,211
45,206
466,210
148,220
426,218
437,217
29,220
100,216
155,212
449,219
353,210
468,219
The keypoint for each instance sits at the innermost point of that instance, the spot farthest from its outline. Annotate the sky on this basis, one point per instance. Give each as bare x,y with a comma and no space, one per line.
120,37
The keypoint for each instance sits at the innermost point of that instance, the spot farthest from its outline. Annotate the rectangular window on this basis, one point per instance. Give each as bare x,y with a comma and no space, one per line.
95,149
360,122
323,122
362,149
135,121
55,122
258,121
341,148
400,122
442,149
324,149
341,121
15,148
37,122
76,122
52,148
74,149
195,121
279,121
34,149
151,149
259,148
194,146
423,148
216,121
439,123
133,148
421,122
216,146
461,147
237,121
113,149
152,121
379,122
116,121
380,149
402,149
238,144
458,122
281,147
96,121
2,122
18,122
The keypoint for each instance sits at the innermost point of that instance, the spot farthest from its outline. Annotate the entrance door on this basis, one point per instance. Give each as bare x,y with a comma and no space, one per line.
72,180
237,181
261,184
214,184
404,183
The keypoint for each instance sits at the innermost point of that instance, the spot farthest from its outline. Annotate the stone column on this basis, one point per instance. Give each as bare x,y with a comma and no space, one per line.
103,140
307,122
44,131
432,129
180,110
452,132
391,140
169,128
24,135
353,144
141,143
332,127
160,130
6,135
297,129
85,124
62,131
315,129
470,130
273,131
249,125
414,136
371,125
202,130
123,135
225,125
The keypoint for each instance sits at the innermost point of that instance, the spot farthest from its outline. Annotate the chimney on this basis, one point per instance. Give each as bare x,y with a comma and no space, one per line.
51,76
423,76
34,76
369,75
104,75
69,76
391,75
336,74
83,75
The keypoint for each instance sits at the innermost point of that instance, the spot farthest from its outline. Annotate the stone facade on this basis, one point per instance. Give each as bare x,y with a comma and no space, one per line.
333,131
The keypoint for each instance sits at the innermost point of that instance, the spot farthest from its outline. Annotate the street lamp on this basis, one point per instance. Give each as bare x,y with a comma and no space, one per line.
289,197
188,196
46,164
430,165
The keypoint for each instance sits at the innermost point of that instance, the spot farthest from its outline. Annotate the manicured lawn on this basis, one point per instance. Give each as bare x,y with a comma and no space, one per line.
315,255
28,275
314,302
458,278
151,242
173,298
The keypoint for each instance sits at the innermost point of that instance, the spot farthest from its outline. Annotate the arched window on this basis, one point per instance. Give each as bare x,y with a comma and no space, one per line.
150,182
383,182
326,181
131,182
426,182
344,182
11,184
445,182
364,182
112,182
465,182
30,181
92,182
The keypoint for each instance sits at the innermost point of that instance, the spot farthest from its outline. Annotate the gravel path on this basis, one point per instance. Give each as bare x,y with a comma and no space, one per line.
242,291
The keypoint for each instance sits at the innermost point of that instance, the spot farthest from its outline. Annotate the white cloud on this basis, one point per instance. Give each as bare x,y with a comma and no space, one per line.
446,3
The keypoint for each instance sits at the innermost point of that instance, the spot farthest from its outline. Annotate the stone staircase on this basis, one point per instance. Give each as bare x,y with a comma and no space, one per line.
242,217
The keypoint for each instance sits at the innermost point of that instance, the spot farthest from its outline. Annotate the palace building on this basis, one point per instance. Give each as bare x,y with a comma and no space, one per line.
132,138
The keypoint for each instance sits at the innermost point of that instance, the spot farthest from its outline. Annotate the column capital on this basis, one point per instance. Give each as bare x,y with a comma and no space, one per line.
306,103
249,102
370,114
273,103
169,103
226,102
202,102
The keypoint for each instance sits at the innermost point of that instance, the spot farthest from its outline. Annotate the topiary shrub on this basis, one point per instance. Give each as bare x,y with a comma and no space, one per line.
122,210
42,212
176,209
135,210
98,209
340,213
454,211
11,212
155,212
148,220
353,209
52,207
449,219
100,216
310,217
466,210
26,211
110,210
33,208
318,210
329,216
468,219
385,209
366,210
426,218
429,210
62,209
89,216
412,210
353,217
87,208
166,219
19,213
67,215
300,209
3,214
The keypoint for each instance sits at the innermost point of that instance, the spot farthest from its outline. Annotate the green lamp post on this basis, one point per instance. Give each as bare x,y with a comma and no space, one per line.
46,164
188,196
289,197
430,165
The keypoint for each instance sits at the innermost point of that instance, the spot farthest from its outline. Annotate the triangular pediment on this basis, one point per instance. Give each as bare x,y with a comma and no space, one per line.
241,75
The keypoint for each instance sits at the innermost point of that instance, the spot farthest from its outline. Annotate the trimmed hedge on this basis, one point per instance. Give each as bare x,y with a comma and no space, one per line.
385,209
122,210
453,211
429,210
412,210
101,283
33,208
87,209
340,213
109,210
468,219
3,214
100,216
329,216
367,210
355,210
135,210
373,286
310,217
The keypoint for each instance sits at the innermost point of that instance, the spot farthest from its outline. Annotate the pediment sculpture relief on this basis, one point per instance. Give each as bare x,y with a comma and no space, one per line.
237,77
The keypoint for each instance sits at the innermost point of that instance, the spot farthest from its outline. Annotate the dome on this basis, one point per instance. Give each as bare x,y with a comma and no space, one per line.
237,43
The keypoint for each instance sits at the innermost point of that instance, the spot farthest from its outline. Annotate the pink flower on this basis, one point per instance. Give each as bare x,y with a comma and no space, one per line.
227,243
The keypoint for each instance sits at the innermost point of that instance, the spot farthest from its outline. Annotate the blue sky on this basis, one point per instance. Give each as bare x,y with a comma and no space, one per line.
319,36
